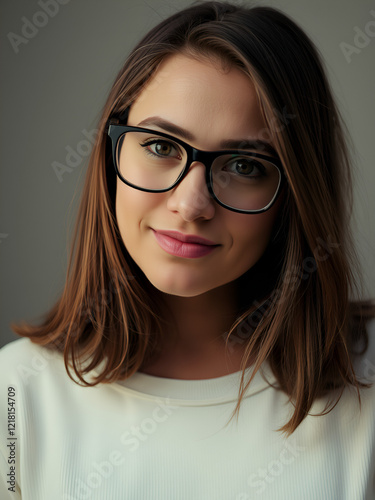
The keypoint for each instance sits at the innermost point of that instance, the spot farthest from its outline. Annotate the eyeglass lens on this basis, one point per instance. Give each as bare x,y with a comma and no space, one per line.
150,161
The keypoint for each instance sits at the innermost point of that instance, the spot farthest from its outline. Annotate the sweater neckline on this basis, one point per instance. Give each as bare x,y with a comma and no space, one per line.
197,392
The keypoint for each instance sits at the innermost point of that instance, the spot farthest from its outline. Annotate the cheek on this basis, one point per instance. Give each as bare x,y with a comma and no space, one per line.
251,234
124,207
258,226
131,207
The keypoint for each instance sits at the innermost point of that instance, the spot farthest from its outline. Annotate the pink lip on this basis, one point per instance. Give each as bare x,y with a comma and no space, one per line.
184,245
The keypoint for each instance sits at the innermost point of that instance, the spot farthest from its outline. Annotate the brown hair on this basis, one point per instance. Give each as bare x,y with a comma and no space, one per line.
301,318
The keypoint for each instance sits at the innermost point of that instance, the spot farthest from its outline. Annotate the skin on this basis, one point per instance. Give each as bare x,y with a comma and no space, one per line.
213,105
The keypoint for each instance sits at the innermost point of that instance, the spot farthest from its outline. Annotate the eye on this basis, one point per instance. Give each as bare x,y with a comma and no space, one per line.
161,148
249,167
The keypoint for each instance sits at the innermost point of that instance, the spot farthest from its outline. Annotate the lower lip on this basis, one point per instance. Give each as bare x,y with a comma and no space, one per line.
182,249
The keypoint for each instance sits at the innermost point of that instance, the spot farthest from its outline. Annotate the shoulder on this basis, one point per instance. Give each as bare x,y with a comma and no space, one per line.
18,349
34,369
24,351
22,361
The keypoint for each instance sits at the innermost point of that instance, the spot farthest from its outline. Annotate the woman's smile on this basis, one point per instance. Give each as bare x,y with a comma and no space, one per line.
185,246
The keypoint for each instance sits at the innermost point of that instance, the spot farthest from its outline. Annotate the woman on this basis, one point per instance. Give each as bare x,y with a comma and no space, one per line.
211,278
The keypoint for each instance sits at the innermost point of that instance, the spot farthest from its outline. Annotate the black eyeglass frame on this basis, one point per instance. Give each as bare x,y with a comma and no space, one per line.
116,130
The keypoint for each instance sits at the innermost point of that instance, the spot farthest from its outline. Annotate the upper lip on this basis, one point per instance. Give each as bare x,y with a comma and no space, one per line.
186,238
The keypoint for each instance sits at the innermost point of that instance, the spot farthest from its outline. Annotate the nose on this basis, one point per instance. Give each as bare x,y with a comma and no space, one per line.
191,198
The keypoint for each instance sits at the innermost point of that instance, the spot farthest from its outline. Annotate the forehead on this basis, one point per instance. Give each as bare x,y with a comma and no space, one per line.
211,100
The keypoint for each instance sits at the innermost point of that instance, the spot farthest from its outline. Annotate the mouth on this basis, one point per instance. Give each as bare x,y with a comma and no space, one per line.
187,246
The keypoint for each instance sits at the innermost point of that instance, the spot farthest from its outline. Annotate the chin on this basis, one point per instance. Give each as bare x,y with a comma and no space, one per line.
180,286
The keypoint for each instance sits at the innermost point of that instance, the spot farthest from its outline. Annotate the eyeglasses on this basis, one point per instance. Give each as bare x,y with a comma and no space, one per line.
152,161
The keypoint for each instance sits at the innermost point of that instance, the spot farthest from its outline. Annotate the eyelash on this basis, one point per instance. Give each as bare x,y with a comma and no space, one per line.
150,142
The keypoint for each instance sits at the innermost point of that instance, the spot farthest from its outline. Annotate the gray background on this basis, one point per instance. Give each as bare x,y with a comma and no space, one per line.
54,88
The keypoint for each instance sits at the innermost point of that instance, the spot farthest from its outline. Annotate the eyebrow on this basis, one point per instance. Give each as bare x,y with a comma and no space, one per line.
171,128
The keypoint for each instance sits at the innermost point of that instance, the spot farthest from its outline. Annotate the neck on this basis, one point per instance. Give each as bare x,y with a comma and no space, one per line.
193,346
199,323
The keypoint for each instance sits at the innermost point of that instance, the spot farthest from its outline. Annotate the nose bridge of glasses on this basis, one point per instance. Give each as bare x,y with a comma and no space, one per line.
199,177
205,157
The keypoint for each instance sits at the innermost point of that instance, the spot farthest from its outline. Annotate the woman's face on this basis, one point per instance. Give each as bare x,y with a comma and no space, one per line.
211,106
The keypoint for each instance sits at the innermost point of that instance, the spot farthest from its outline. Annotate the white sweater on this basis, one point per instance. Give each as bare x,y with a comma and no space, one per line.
165,439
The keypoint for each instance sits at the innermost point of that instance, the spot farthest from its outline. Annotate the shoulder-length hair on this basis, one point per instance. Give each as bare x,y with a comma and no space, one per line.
301,319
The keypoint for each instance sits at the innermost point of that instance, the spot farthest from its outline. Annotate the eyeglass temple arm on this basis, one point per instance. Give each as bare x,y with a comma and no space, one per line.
118,119
121,119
